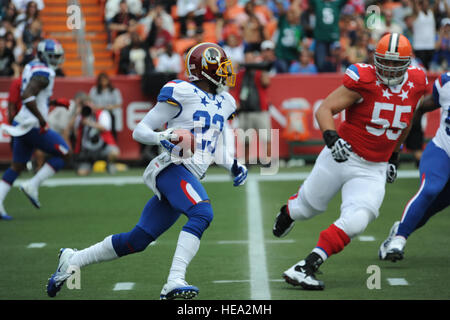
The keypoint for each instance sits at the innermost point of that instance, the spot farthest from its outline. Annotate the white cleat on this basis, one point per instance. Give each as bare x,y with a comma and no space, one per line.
396,248
178,289
392,248
57,280
31,193
300,275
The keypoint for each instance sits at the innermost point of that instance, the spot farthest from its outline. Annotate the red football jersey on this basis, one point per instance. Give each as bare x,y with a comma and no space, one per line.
373,124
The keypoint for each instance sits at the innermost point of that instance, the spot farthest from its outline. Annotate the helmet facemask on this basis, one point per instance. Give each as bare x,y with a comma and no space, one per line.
391,68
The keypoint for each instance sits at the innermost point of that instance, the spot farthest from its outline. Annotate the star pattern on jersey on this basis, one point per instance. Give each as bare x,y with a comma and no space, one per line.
386,93
378,83
204,102
404,95
219,104
195,91
410,84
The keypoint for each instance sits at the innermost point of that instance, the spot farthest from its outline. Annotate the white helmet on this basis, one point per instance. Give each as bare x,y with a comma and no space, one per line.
51,52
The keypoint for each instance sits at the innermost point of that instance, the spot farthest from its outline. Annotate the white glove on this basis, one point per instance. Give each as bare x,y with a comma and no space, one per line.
341,150
391,172
164,138
239,172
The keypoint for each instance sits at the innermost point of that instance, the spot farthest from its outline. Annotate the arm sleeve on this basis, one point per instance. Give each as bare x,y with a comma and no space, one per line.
153,120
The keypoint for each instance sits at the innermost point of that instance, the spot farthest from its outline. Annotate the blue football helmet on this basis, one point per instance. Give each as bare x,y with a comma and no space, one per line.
51,52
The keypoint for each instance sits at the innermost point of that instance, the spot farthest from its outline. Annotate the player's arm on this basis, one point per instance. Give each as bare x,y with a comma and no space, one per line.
145,132
36,84
338,100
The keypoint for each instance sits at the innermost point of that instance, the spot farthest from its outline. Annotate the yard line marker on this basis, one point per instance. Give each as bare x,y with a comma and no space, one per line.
246,280
281,241
121,286
37,245
366,238
259,284
124,180
397,281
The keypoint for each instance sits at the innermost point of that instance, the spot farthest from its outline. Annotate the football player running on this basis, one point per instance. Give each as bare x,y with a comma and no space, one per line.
379,102
433,195
29,129
201,107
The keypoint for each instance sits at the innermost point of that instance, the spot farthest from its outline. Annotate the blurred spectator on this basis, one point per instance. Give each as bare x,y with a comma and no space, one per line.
387,26
424,31
289,35
408,30
441,57
326,30
94,139
234,49
402,11
31,33
268,56
370,55
274,6
336,62
158,10
305,64
6,59
252,82
104,96
157,38
122,23
21,5
26,18
134,58
358,52
59,119
169,61
190,11
253,34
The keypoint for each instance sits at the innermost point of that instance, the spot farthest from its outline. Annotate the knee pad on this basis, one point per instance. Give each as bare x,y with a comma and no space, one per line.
355,222
131,242
199,218
299,208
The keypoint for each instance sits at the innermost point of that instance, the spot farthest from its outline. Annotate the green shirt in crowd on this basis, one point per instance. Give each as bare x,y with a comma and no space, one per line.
288,40
327,19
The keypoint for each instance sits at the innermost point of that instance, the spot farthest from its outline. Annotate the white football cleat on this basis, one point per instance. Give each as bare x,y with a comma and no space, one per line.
178,288
302,275
31,193
57,279
382,252
395,249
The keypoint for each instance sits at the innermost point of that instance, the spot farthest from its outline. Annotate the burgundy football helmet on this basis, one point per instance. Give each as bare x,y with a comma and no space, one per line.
208,61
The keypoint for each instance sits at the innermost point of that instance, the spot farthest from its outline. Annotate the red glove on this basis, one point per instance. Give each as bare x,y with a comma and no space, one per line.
62,102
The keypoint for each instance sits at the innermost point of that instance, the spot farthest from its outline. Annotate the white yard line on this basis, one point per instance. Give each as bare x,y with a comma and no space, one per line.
36,245
259,284
123,180
397,281
121,286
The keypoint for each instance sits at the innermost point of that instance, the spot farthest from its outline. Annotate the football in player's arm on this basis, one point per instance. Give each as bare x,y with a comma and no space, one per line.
201,108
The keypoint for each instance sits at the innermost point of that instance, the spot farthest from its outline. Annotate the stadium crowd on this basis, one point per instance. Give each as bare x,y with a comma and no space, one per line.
308,36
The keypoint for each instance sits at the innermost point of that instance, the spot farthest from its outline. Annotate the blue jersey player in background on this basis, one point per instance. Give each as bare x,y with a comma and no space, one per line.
29,129
433,195
197,106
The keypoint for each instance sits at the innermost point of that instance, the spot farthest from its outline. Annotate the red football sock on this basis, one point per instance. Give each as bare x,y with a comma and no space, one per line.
332,240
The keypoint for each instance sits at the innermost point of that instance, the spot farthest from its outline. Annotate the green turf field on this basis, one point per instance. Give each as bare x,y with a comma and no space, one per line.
80,215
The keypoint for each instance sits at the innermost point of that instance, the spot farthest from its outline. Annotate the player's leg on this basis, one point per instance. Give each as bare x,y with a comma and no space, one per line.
21,155
435,171
440,203
157,216
358,209
312,198
185,194
52,143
